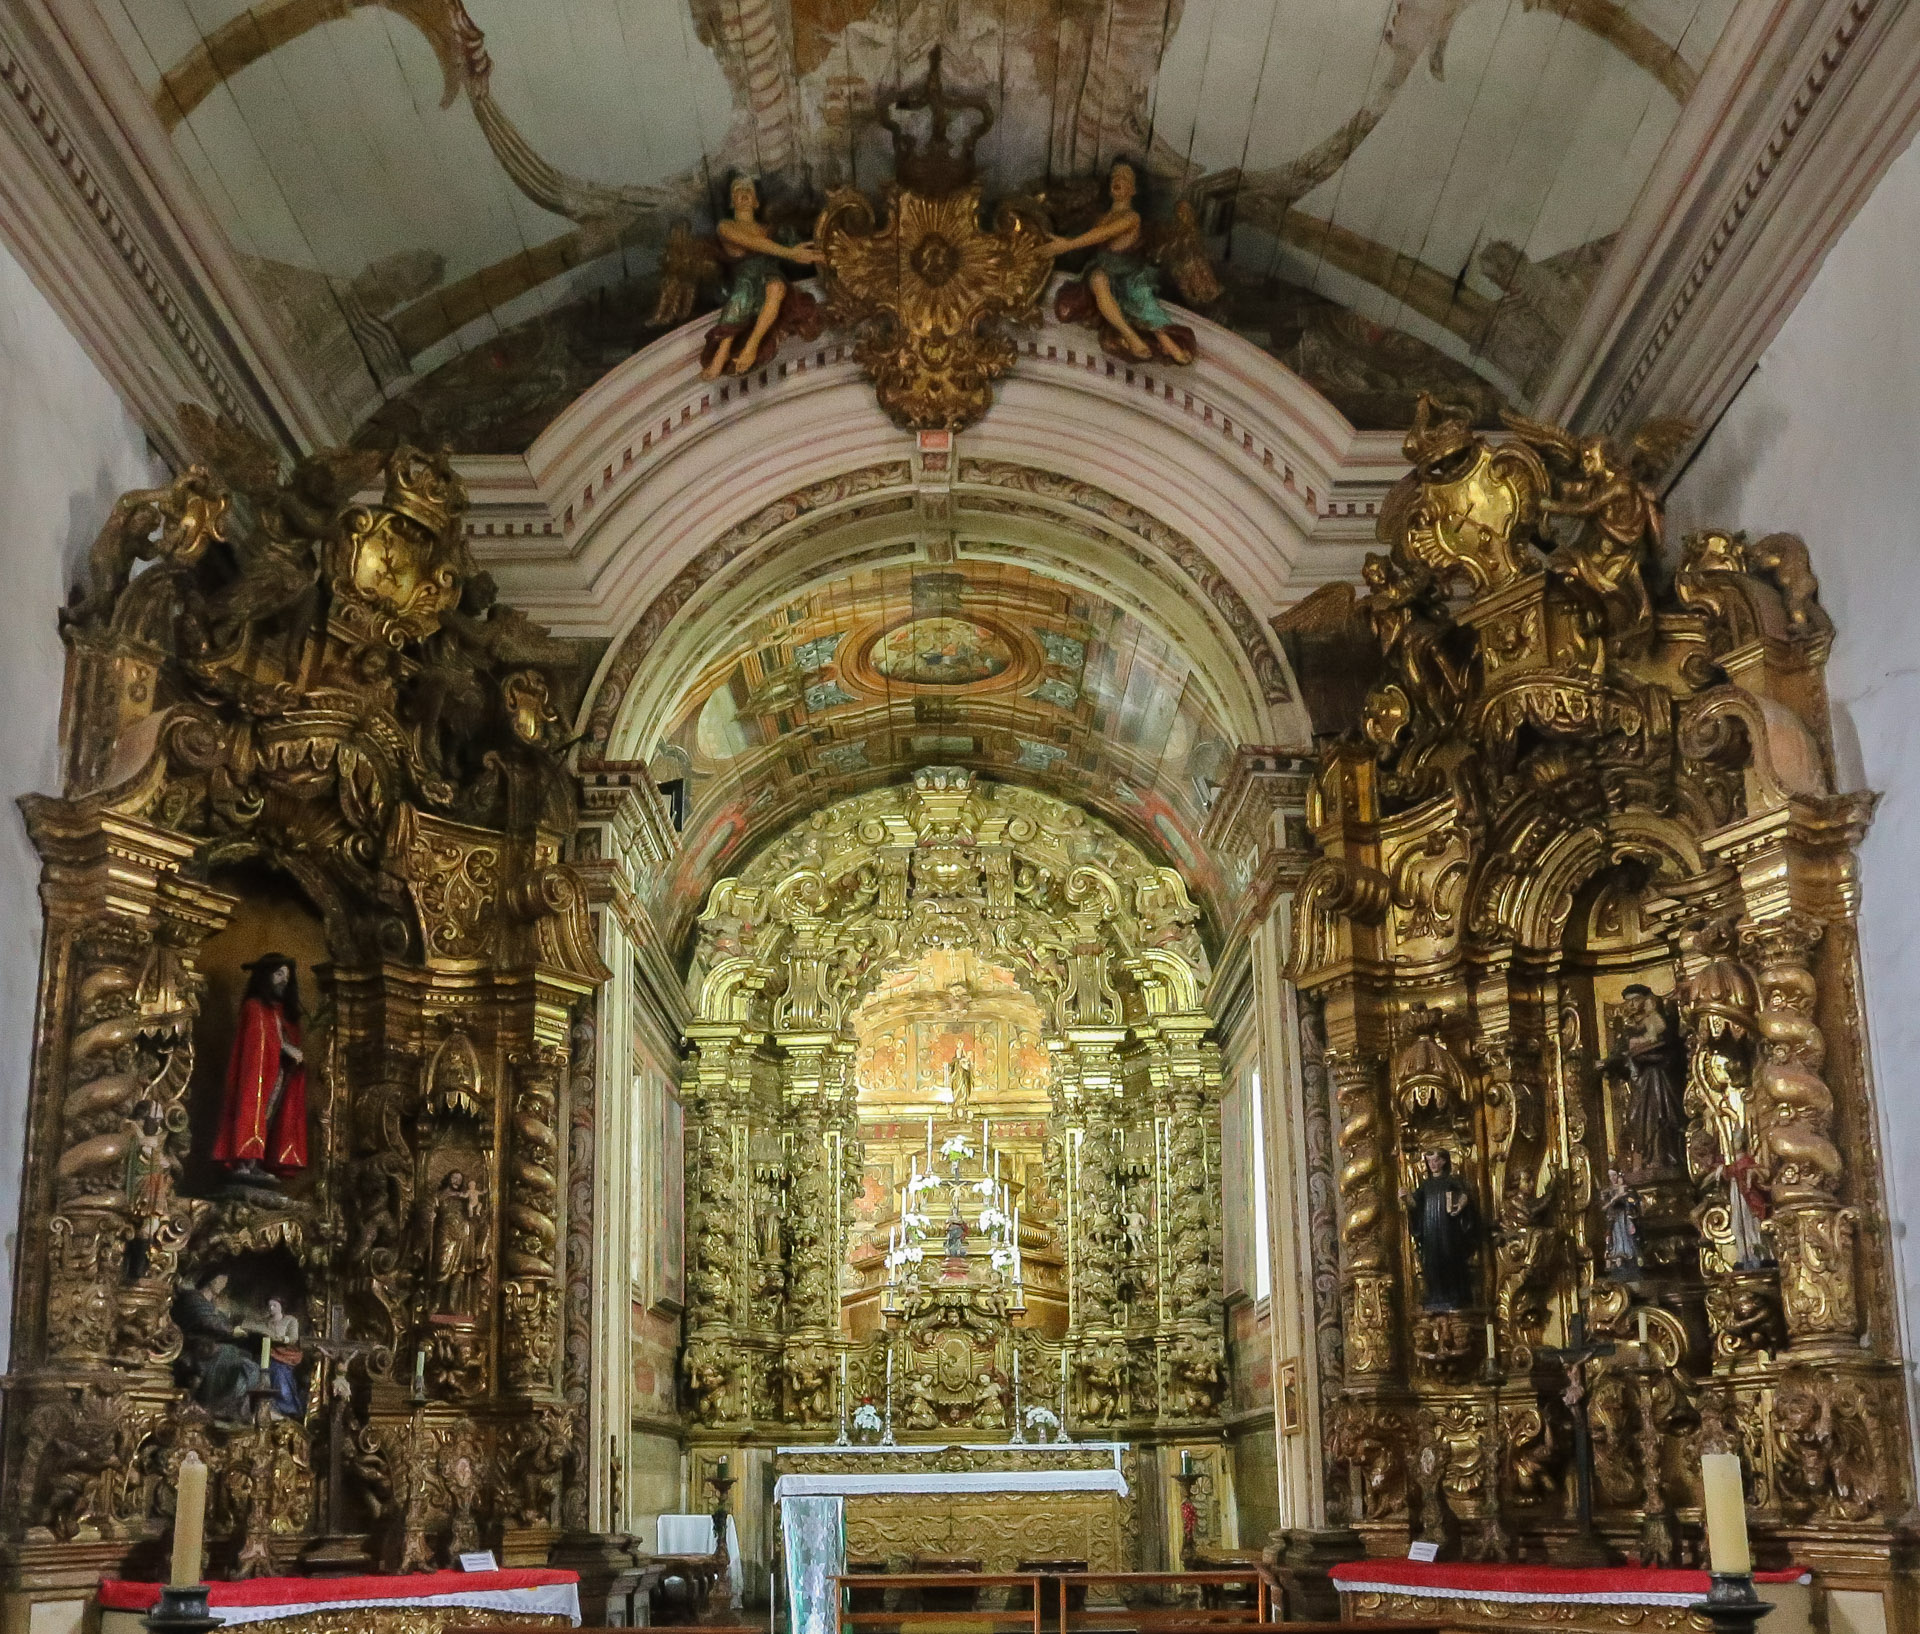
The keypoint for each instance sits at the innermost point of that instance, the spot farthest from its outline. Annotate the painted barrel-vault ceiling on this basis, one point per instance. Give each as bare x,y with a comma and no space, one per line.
987,665
454,212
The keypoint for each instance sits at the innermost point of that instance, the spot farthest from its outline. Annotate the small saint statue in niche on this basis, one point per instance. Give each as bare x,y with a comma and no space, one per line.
1649,1053
1444,1222
956,1236
263,1118
284,1357
459,1247
1622,1209
960,1085
151,1169
1748,1202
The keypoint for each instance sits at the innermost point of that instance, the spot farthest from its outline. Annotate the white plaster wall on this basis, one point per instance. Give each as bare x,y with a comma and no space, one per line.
1824,441
68,449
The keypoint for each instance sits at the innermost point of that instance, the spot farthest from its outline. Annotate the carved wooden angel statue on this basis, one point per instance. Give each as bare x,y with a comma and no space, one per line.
1611,490
174,524
1120,293
1410,622
760,305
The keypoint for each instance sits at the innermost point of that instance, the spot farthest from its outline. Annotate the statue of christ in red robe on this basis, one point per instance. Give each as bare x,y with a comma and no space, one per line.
263,1119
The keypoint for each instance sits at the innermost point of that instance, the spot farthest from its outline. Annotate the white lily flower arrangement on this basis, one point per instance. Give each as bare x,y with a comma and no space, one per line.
923,1182
1001,1256
915,1221
983,1187
910,1254
956,1146
991,1219
1042,1417
867,1417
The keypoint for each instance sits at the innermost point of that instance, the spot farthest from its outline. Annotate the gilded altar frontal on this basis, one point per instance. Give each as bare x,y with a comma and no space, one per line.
829,790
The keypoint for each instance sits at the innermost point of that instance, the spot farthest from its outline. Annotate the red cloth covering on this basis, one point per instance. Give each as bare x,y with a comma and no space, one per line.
1614,1584
117,1595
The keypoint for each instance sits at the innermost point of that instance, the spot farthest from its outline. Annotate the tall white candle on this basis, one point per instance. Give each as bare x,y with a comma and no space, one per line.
986,1135
1724,1501
1016,1367
189,1520
1640,1319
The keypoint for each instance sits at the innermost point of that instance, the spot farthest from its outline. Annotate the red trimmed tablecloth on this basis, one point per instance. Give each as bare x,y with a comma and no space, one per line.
1567,1585
540,1590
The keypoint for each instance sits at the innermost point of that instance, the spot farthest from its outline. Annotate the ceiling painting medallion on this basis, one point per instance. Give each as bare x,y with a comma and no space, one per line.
940,651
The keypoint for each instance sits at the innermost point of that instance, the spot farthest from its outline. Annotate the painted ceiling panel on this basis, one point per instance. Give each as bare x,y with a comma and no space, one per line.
456,210
983,664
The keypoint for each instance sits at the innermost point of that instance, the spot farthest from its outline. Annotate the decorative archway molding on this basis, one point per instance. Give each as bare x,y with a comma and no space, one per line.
1263,489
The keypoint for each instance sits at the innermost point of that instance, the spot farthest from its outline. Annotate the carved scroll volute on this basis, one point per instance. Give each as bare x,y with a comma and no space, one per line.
1812,1233
1366,1268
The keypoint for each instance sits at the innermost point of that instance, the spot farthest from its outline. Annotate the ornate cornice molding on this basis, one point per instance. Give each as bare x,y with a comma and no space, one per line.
95,205
1803,105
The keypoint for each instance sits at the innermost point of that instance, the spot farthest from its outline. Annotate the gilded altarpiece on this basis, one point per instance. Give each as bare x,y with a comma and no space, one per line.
1578,955
1068,975
297,722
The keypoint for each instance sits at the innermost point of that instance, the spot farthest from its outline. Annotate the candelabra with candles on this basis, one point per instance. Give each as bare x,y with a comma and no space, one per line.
910,1239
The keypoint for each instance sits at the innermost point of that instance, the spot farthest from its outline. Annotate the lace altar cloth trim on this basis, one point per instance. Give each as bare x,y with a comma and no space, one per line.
853,1485
529,1589
1563,1585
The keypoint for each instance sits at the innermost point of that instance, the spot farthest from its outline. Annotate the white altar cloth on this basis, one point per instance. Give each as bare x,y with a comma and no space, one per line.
813,1524
855,1484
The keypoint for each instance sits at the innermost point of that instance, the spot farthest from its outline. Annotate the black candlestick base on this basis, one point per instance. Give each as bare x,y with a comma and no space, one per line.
182,1609
1731,1606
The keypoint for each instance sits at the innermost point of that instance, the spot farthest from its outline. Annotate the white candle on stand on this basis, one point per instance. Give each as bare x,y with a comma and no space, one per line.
986,1135
1724,1500
189,1520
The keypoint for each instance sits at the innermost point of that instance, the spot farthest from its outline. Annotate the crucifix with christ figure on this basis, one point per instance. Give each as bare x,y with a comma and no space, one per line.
1585,1547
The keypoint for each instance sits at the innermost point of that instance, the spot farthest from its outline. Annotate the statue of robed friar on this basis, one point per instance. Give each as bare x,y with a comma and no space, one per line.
1444,1222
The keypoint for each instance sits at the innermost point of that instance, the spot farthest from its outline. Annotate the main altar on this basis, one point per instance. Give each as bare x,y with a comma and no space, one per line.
999,1504
953,1144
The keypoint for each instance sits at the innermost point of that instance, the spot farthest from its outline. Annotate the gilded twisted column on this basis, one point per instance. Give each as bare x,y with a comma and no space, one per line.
1791,1112
528,1293
1366,1264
